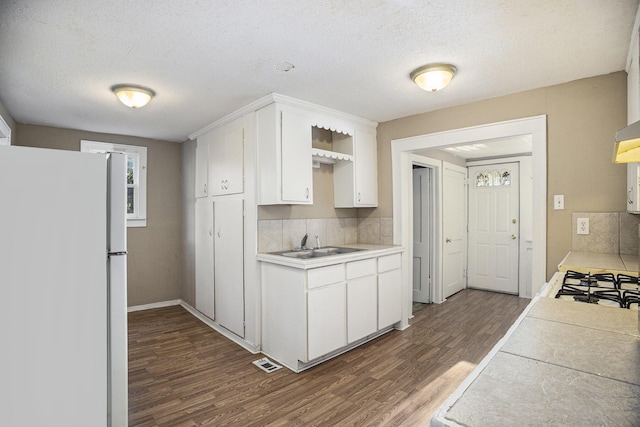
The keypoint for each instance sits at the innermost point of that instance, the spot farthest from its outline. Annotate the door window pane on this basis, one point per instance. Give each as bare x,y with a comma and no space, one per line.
131,167
130,200
493,179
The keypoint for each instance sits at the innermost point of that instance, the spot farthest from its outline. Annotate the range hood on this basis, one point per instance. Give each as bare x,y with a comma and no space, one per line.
627,145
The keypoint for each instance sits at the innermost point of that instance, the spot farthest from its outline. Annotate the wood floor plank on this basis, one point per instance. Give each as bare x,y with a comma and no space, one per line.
183,373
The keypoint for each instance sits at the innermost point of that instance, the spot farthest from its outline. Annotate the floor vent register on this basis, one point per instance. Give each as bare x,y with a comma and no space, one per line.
266,365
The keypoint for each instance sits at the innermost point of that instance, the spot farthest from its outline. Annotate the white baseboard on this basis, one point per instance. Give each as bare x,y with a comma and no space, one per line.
221,330
154,305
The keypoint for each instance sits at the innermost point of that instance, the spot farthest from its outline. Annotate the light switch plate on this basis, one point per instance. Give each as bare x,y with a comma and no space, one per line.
583,225
558,201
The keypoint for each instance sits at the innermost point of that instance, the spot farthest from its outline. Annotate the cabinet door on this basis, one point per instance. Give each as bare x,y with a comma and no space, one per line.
202,165
389,301
366,168
204,257
362,308
326,320
297,164
226,160
229,264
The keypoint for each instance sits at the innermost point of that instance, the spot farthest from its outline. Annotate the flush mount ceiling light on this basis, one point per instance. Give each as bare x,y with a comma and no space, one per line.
433,77
133,96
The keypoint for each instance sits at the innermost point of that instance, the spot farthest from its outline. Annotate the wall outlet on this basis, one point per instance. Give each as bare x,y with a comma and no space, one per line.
583,225
558,201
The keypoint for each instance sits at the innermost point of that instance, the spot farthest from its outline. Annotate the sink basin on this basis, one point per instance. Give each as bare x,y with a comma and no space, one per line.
296,254
332,251
316,253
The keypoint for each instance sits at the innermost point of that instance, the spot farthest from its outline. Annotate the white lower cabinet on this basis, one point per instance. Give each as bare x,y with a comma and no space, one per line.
312,314
362,299
389,290
326,324
219,262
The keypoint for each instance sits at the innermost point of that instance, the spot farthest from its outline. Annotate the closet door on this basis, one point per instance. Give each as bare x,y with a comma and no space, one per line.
204,257
229,264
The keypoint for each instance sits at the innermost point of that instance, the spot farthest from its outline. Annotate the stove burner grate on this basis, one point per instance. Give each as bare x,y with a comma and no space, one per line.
592,288
630,287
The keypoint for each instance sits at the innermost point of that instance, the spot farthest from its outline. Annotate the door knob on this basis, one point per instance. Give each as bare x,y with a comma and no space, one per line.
513,237
448,240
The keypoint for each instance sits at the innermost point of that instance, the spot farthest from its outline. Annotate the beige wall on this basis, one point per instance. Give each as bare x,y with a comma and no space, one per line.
582,117
154,261
322,207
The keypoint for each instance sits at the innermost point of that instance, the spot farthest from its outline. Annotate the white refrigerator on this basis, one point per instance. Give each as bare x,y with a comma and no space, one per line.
63,268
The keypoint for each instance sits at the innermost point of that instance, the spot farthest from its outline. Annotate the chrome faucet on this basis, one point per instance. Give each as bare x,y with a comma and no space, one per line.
303,243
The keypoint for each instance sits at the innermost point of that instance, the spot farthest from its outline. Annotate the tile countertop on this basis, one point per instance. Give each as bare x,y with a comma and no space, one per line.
588,262
561,363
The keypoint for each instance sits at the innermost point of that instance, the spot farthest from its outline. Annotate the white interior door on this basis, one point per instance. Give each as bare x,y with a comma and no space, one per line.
494,227
229,264
421,235
454,224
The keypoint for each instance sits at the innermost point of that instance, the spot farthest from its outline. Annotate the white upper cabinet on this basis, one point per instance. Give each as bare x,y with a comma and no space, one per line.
226,159
202,166
356,182
284,156
284,130
365,162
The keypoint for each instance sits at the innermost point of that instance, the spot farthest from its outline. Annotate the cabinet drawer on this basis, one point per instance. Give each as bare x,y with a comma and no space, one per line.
317,277
366,267
389,262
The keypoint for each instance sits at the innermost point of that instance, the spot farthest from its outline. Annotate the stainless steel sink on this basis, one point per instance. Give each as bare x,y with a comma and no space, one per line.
316,253
335,251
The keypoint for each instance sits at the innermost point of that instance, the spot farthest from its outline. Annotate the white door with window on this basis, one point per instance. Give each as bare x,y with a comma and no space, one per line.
493,227
454,228
421,235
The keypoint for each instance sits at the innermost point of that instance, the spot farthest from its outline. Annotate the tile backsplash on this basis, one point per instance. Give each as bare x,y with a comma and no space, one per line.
609,232
286,234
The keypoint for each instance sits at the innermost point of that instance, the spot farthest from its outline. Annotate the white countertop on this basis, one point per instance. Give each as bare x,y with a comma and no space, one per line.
562,363
367,252
588,262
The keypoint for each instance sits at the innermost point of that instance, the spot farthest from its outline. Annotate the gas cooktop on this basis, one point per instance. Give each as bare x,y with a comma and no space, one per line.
621,291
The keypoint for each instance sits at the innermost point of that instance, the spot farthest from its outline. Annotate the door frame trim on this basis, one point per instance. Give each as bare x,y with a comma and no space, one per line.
401,149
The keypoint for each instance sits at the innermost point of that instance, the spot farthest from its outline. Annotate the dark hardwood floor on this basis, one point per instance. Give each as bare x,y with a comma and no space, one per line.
183,373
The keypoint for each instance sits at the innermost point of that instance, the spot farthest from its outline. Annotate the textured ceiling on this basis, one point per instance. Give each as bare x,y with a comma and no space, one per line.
206,58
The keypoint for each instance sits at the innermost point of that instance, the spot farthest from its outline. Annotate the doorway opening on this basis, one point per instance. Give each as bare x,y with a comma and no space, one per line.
423,226
404,154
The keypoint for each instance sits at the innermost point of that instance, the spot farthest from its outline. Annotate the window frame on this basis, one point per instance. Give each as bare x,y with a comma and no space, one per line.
139,217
